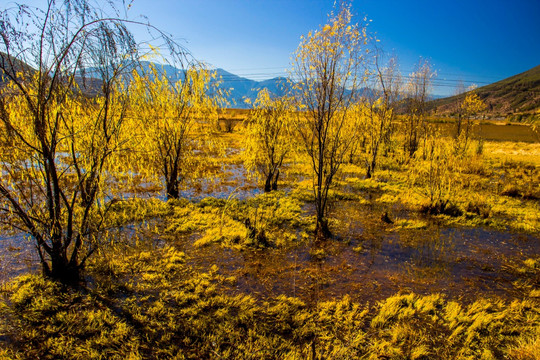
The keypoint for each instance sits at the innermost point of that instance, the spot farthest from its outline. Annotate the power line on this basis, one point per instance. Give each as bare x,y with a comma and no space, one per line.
257,76
409,71
263,77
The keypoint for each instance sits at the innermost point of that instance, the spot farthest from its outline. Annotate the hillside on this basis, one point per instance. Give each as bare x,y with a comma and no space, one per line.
11,65
517,94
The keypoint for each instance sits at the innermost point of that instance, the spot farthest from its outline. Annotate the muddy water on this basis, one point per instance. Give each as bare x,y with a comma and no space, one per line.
495,132
369,262
367,259
17,256
233,182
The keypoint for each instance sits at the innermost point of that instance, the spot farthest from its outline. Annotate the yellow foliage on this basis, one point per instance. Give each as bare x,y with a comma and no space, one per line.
172,125
61,165
472,104
328,74
267,140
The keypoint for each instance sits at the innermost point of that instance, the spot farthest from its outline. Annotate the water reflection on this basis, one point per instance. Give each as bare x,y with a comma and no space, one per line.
369,262
17,256
367,259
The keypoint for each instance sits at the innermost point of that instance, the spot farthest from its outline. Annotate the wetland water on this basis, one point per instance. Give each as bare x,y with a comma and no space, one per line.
368,259
495,131
370,262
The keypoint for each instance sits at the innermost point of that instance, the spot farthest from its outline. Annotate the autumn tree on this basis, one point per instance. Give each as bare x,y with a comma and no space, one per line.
268,139
470,107
62,119
460,89
435,176
175,122
379,114
418,89
328,68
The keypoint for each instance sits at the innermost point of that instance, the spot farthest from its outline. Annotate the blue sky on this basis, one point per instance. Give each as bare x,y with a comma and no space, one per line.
475,41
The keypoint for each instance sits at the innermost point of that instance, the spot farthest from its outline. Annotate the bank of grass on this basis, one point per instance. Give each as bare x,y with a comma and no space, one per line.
148,304
273,219
498,188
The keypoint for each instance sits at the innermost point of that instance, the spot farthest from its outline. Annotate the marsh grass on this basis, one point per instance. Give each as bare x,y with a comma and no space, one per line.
167,310
266,220
145,299
499,189
409,224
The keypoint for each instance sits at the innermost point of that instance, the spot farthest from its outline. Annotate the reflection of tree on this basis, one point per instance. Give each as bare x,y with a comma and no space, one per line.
431,253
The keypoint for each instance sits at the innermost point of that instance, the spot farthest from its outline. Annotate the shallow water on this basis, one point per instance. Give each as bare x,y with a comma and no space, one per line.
495,132
17,256
233,183
366,259
369,262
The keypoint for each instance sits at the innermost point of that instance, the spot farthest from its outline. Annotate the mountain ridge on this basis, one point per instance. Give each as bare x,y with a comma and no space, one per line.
238,88
519,93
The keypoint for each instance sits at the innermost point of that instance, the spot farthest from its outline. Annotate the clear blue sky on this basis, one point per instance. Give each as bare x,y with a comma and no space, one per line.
478,41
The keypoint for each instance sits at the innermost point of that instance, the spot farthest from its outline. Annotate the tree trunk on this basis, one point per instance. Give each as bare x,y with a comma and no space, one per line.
458,127
172,189
172,183
62,270
368,172
271,181
322,231
413,145
275,180
371,165
268,183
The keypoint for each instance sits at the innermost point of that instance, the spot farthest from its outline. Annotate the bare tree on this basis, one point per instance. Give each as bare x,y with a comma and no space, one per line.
460,89
380,107
418,88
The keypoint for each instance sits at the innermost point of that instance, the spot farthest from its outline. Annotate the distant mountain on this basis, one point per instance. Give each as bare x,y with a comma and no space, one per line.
12,66
240,89
516,94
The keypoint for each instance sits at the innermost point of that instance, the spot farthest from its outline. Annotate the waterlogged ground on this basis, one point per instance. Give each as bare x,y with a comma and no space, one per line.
370,261
170,282
17,256
367,258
